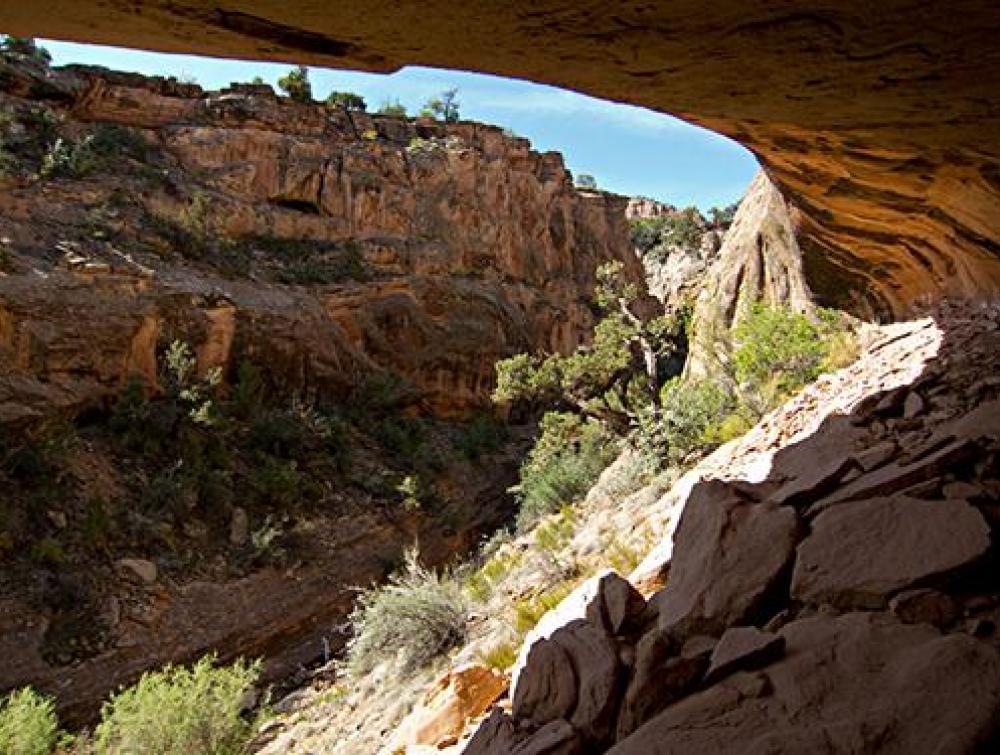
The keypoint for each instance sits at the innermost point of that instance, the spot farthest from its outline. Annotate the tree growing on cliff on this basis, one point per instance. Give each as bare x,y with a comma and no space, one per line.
348,101
615,376
14,48
296,84
586,181
444,106
722,217
392,108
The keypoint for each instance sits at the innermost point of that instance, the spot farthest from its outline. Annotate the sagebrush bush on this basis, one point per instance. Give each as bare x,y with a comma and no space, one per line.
28,724
567,459
179,711
415,617
778,350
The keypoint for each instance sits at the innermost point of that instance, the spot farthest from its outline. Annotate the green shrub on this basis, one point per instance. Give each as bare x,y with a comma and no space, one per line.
722,217
28,724
112,141
8,160
296,84
346,101
772,340
484,435
417,616
247,397
12,48
277,482
402,436
392,108
69,159
444,107
729,427
279,433
658,236
567,459
132,420
179,711
690,408
777,351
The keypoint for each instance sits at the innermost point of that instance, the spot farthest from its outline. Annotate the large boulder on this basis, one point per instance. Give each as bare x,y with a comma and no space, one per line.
574,675
547,688
660,677
618,607
857,683
729,556
858,554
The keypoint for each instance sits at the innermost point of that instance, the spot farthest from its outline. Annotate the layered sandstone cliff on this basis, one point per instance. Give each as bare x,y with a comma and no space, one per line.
339,253
462,245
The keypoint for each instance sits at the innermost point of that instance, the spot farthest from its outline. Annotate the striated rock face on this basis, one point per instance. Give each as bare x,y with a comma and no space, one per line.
349,258
880,124
466,247
644,207
760,258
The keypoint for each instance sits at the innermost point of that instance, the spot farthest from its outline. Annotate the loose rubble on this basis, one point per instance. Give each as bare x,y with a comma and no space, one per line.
831,590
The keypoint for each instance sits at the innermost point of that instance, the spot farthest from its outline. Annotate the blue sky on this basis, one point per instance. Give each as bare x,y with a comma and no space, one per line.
629,150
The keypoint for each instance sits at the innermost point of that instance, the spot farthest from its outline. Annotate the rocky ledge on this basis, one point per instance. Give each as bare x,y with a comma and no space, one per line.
839,595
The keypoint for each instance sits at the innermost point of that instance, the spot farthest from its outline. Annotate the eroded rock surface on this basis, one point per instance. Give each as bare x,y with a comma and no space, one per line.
908,542
882,126
730,555
430,250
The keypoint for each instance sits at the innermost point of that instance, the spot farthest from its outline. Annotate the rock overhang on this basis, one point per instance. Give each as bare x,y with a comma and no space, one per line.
880,123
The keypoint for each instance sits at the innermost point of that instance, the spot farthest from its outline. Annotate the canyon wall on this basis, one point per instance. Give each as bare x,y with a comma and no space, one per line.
368,265
461,246
881,124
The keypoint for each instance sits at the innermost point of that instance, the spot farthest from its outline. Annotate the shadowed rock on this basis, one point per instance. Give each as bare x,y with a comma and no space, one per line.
856,683
729,555
860,553
743,648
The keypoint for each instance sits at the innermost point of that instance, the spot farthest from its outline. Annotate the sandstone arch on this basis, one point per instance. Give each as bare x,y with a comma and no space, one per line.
881,121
